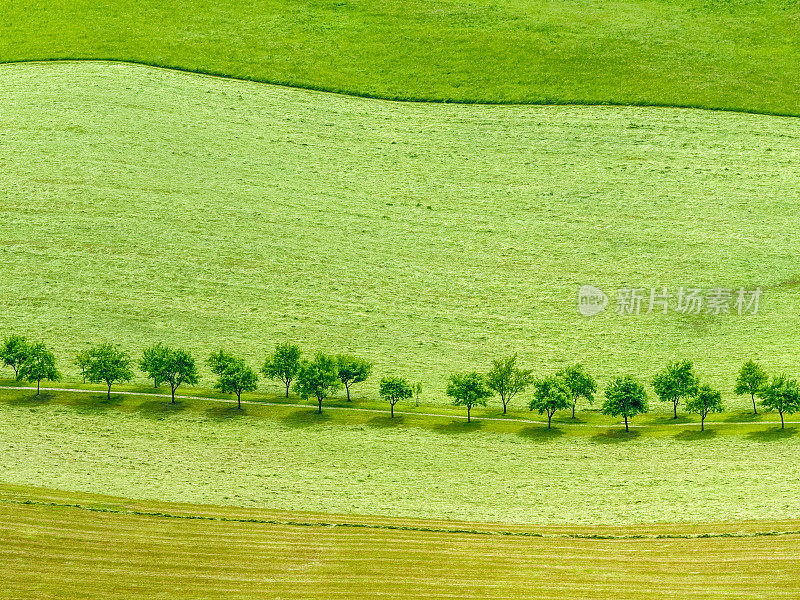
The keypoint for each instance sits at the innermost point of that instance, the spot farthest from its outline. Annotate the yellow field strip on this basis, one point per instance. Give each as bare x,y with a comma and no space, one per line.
100,547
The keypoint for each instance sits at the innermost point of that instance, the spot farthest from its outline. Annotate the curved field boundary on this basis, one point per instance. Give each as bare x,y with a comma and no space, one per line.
724,55
405,99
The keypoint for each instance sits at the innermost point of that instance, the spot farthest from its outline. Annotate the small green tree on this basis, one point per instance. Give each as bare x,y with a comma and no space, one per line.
550,394
318,378
752,378
178,367
625,397
234,376
507,380
580,383
417,392
39,364
468,389
782,394
393,389
152,362
14,352
352,369
82,361
707,400
675,382
218,361
108,364
283,364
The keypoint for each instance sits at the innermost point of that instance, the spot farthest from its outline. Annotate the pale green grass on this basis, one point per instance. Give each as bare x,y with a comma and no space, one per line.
723,54
294,463
140,205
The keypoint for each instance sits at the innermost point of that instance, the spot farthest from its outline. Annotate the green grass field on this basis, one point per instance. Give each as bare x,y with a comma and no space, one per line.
728,54
57,545
139,204
354,462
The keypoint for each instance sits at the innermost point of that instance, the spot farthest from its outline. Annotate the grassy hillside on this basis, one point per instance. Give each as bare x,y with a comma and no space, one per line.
728,54
96,546
140,205
353,462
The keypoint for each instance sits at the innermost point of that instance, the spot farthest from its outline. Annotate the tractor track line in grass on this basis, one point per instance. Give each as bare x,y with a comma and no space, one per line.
377,411
390,527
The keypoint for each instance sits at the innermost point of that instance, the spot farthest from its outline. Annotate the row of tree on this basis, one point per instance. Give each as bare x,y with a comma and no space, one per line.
324,375
624,396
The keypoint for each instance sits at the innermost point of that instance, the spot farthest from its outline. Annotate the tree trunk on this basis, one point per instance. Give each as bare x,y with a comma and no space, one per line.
753,398
675,409
109,391
38,381
319,410
287,387
239,399
155,383
468,409
626,422
702,423
505,404
347,387
781,419
574,402
549,419
173,393
392,405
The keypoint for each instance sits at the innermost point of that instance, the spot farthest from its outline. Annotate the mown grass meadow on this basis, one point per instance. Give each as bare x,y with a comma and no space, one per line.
141,205
350,462
119,548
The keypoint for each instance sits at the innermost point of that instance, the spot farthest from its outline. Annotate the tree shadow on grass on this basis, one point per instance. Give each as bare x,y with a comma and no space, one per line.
160,408
459,426
616,435
225,411
772,434
743,417
540,434
99,401
695,434
305,418
384,421
31,400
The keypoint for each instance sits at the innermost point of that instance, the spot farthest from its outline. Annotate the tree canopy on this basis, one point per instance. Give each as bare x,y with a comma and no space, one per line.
234,376
550,395
751,379
393,389
108,364
283,364
707,400
625,397
676,382
40,364
580,383
318,378
468,389
508,380
352,369
152,362
782,394
14,352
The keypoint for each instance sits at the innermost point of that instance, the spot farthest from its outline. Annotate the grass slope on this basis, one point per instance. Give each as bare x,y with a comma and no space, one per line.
353,462
86,546
728,54
138,205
